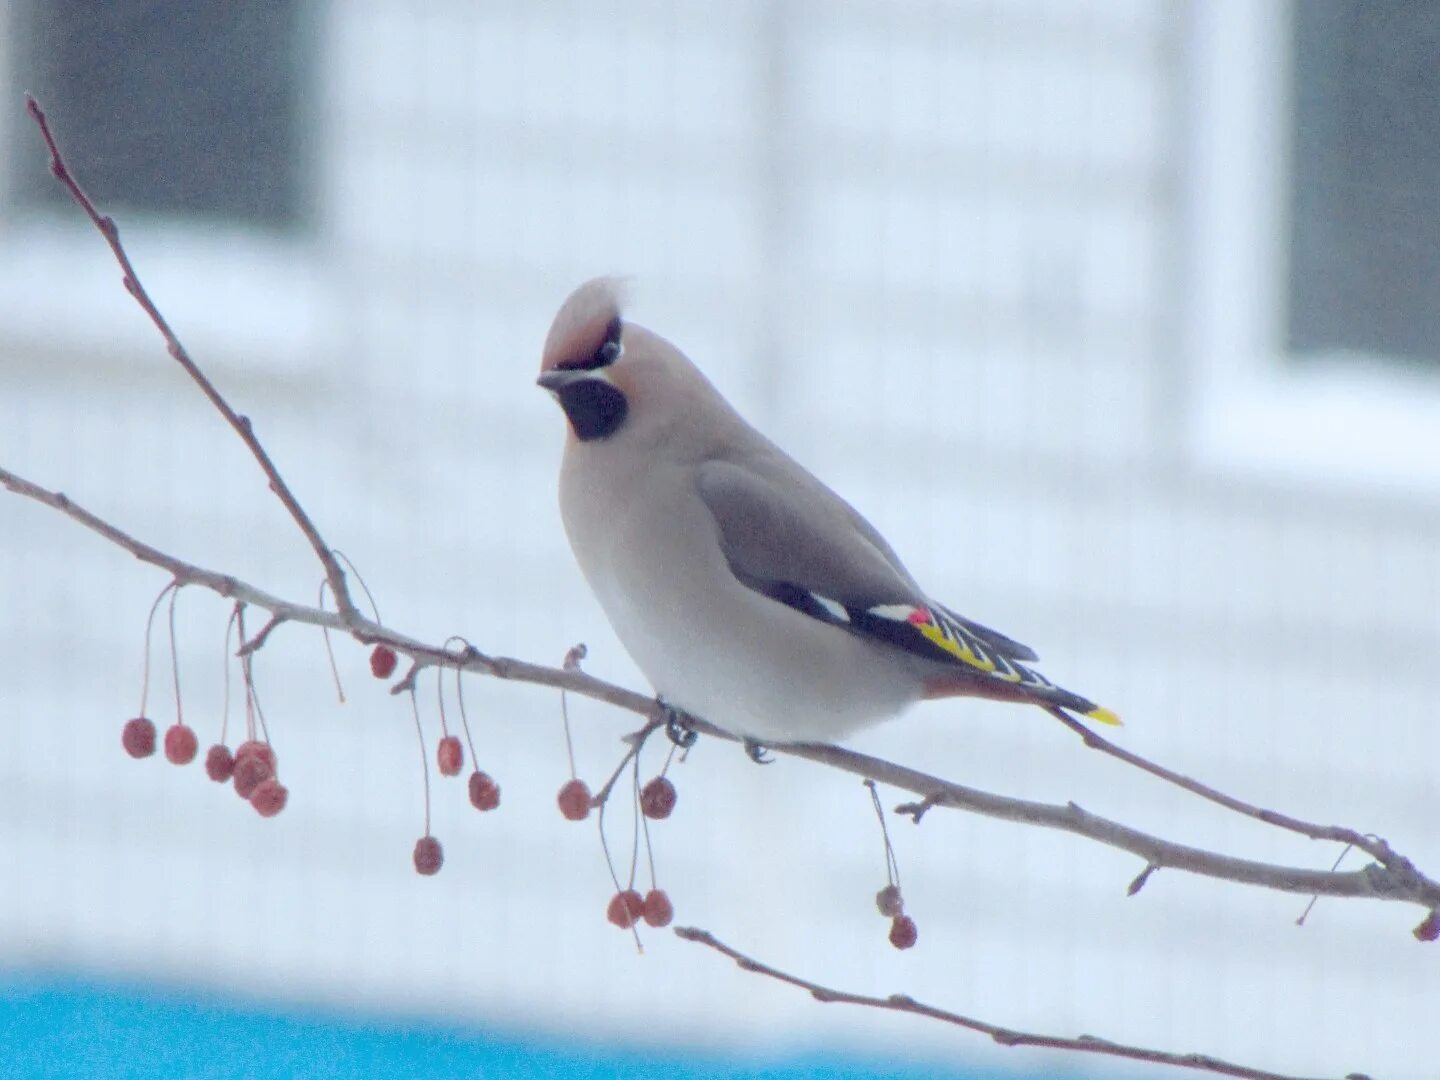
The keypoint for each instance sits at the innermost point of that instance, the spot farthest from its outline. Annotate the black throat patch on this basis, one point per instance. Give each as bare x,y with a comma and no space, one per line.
596,409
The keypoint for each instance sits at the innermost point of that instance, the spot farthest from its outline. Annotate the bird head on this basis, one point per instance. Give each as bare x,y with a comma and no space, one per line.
580,364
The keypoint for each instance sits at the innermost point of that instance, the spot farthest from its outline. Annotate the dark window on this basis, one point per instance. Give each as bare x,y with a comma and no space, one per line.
169,106
1365,179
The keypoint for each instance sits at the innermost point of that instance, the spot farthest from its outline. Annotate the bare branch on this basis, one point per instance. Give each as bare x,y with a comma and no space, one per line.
1085,1044
1397,880
1371,845
241,424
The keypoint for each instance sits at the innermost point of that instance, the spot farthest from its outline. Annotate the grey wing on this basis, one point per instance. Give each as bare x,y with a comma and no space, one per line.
797,542
801,536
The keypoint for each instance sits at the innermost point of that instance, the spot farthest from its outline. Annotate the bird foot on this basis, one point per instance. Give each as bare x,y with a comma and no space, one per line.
757,753
678,726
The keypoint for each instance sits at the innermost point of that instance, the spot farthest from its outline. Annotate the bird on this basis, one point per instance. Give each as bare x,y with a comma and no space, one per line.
747,592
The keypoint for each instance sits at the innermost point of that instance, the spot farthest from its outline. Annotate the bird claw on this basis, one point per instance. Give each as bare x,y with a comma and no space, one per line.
757,753
677,727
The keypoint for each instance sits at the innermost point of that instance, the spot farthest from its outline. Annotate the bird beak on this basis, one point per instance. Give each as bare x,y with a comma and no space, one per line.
557,380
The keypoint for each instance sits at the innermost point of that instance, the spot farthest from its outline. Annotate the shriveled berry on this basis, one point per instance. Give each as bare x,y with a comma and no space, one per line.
138,737
428,856
449,756
382,662
574,800
889,901
219,763
902,932
658,909
484,792
1429,928
657,798
625,908
181,744
250,772
269,797
256,749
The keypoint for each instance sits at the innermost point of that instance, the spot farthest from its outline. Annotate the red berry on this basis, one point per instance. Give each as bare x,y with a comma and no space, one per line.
449,755
889,901
484,792
219,764
625,908
658,909
903,932
250,772
254,748
657,798
180,744
269,797
428,856
138,737
574,800
1429,929
382,662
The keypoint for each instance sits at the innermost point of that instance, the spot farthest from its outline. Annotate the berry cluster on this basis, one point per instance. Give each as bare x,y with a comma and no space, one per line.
484,792
891,904
252,767
628,907
655,801
889,901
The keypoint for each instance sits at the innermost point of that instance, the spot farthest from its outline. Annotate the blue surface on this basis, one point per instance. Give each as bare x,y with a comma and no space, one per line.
70,1028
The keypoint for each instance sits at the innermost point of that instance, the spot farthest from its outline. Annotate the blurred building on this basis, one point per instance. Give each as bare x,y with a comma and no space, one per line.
1118,318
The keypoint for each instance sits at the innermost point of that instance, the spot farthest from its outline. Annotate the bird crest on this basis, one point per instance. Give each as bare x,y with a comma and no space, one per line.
587,325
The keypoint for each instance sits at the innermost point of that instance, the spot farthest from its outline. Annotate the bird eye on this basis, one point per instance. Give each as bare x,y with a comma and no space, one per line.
606,354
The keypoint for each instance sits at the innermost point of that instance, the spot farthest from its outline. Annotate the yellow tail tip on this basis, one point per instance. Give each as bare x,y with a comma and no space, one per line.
1105,716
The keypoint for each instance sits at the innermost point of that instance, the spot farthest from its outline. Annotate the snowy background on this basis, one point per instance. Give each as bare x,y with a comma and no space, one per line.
1012,277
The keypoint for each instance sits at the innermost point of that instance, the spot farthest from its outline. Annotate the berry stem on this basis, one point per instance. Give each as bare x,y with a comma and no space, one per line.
255,697
175,659
365,588
605,844
330,652
569,742
424,758
252,697
149,624
460,700
225,707
892,865
645,819
636,815
440,696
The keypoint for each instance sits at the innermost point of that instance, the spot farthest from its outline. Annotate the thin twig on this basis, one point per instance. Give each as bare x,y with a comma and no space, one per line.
1373,846
263,634
1085,1044
241,424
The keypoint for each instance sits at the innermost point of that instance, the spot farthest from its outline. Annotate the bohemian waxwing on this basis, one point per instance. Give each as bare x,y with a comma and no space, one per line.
748,592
